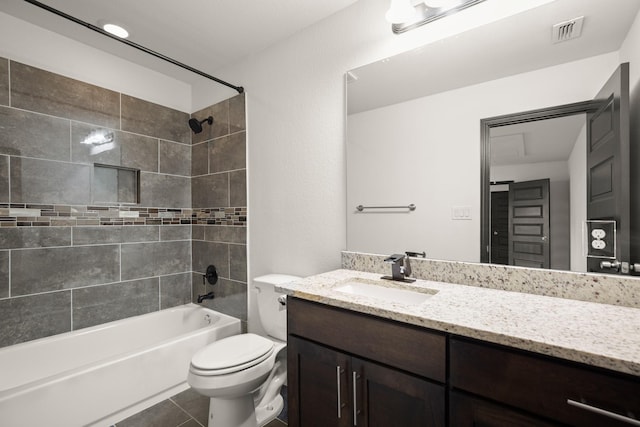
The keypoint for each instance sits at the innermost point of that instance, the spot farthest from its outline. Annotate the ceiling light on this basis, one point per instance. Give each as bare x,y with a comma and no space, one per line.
116,30
401,11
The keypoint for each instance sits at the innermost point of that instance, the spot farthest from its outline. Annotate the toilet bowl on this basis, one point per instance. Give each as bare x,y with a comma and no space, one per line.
242,375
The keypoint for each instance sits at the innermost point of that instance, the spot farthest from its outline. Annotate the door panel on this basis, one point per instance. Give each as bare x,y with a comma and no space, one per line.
386,397
499,227
608,165
314,385
529,224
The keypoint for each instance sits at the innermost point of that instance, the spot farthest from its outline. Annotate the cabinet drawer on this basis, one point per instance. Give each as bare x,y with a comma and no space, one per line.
402,346
563,391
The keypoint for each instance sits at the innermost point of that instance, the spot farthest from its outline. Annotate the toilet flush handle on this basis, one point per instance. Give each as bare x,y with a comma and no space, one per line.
282,299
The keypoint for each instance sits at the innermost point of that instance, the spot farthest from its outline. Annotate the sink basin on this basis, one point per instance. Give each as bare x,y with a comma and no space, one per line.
378,290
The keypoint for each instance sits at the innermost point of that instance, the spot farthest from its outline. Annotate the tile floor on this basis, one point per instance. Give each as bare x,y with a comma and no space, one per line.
187,409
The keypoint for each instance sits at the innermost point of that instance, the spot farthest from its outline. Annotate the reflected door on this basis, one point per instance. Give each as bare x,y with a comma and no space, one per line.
608,165
529,224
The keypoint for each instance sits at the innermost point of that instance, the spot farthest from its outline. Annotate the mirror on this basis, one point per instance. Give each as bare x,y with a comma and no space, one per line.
413,125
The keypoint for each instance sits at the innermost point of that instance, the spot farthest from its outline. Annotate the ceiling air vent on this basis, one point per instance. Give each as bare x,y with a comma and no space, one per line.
567,30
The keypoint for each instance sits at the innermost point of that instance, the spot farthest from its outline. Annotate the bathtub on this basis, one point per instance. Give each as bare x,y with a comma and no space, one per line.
100,375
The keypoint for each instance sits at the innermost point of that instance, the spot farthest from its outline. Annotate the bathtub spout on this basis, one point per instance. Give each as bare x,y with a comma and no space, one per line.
205,296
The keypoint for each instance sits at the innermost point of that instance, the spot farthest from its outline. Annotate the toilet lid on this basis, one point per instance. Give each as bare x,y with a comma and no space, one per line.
236,351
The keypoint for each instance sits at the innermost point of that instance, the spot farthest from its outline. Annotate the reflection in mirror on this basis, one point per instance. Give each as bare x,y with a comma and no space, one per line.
413,125
522,155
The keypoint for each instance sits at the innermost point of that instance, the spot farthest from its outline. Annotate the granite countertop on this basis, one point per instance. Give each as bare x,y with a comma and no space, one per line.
596,334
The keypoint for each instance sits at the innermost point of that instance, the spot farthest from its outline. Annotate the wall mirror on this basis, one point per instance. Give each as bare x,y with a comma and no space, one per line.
414,129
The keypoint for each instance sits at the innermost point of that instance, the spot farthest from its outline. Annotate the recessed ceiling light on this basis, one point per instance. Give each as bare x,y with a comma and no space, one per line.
116,30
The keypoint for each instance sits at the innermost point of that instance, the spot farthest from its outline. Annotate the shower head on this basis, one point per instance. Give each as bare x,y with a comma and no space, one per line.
196,125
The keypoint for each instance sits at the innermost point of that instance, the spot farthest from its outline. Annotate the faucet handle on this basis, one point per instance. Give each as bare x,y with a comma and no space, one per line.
422,254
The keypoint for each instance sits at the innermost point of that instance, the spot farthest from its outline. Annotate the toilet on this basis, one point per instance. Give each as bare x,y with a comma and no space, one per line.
242,374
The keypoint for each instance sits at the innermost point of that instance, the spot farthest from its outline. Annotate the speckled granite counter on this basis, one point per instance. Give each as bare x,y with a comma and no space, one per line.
601,335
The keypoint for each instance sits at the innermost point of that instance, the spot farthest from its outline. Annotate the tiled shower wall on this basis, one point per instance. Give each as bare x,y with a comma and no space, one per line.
68,261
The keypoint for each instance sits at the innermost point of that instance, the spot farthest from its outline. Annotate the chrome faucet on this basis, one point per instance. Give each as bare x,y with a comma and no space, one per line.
400,268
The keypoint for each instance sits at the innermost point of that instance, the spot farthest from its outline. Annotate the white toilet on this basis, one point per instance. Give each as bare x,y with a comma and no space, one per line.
243,374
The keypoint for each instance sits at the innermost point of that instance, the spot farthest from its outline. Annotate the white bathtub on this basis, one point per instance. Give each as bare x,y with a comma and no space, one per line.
98,376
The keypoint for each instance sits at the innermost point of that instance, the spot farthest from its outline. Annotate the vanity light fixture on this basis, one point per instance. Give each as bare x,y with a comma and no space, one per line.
116,30
428,11
401,11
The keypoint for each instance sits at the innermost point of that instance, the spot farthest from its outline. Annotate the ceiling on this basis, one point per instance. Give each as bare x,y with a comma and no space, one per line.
540,141
205,34
506,47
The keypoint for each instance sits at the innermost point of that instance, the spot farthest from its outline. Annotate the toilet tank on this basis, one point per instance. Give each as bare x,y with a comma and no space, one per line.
273,314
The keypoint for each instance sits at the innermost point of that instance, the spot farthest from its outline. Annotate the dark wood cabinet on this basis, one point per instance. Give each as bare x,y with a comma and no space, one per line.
565,392
329,385
353,369
468,411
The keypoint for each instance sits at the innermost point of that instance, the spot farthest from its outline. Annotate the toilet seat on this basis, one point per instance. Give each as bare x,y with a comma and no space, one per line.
232,354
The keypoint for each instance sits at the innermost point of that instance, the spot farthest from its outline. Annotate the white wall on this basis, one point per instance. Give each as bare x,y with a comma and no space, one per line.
26,43
433,144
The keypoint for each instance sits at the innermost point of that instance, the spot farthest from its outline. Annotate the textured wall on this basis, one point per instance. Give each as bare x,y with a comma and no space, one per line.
68,261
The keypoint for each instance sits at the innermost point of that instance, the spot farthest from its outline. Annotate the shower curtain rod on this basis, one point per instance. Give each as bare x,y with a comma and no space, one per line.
61,14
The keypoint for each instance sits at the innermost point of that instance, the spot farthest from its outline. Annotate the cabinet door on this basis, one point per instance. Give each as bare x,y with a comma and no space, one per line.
385,397
318,389
466,411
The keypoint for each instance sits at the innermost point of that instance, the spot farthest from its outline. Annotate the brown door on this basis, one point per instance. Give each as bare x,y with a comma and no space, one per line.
318,385
529,224
608,165
499,227
385,397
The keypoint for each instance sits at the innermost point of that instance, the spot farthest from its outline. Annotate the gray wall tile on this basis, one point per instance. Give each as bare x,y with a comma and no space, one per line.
43,181
205,253
175,158
225,233
100,304
147,118
113,147
33,135
4,179
155,259
227,153
115,234
220,126
42,270
35,316
164,191
197,232
238,262
34,237
238,188
175,290
38,90
175,232
230,297
237,115
4,81
4,274
200,159
210,191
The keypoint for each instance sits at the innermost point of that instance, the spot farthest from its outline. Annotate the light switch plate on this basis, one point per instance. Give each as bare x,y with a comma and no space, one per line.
461,212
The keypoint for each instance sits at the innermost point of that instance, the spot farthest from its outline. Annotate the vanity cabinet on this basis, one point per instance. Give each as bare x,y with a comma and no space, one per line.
350,369
544,387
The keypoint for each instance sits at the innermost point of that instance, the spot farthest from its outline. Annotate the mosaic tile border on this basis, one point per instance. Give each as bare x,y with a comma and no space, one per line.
39,215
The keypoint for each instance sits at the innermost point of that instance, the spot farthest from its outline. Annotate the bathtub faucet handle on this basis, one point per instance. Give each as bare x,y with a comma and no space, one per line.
205,296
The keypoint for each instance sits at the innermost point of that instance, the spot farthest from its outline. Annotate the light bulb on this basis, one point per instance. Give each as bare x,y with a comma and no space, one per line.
116,30
401,11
